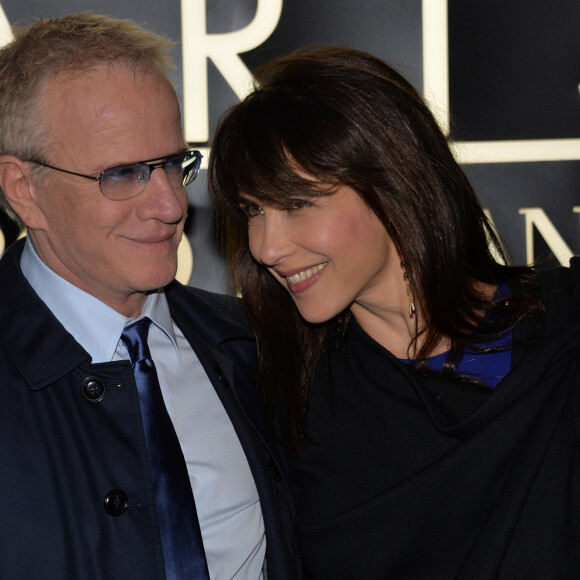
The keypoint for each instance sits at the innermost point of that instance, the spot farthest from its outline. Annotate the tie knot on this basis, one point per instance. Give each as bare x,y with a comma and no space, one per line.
134,337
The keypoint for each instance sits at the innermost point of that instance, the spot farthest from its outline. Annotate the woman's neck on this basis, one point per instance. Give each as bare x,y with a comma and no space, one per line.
391,325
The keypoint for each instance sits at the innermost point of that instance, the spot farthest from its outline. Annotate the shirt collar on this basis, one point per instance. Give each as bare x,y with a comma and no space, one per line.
157,309
94,325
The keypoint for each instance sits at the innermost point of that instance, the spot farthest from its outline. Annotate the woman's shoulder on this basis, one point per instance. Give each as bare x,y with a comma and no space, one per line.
560,284
560,293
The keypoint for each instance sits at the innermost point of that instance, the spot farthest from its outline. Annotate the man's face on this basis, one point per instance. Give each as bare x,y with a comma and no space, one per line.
115,250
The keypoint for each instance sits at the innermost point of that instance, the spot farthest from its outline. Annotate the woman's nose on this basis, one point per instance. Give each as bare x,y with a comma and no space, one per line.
270,239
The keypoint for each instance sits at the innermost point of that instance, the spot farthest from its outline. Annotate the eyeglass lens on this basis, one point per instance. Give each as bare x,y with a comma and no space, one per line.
126,181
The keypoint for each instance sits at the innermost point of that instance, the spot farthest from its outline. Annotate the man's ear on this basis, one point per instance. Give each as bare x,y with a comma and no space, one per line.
19,190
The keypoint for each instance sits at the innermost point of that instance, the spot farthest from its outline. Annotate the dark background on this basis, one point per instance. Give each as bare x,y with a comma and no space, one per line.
514,74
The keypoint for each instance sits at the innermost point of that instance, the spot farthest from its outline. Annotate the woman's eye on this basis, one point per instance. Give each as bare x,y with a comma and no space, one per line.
299,203
251,209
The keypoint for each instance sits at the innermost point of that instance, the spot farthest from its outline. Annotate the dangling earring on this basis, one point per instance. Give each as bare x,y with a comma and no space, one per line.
412,308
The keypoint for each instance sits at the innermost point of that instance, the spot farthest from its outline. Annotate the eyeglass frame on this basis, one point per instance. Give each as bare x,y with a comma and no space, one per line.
159,163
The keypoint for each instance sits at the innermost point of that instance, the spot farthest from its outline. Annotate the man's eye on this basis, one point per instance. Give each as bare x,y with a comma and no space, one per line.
251,209
125,173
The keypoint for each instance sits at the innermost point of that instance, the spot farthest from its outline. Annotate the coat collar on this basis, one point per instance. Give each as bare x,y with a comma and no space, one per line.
218,319
26,322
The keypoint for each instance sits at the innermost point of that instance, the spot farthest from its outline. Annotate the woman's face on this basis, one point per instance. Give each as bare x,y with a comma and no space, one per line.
330,252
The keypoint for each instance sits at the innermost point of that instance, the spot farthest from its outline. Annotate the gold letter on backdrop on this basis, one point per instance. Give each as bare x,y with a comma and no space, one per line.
536,216
5,28
223,49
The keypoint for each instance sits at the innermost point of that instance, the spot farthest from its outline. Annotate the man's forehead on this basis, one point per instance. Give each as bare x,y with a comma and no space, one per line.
104,94
113,110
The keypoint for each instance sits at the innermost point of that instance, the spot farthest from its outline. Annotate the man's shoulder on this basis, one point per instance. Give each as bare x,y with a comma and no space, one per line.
206,298
220,315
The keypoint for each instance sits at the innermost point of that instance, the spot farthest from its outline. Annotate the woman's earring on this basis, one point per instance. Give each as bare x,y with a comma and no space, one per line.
412,308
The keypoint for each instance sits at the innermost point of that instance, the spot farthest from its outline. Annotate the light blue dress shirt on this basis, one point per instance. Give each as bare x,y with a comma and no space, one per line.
226,498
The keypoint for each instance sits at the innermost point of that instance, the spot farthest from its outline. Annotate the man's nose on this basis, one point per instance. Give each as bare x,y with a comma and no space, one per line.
162,200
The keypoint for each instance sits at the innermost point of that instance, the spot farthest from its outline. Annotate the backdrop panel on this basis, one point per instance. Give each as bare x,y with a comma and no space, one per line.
503,76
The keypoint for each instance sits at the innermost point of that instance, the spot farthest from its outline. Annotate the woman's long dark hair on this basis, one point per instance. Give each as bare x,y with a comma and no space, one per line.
347,118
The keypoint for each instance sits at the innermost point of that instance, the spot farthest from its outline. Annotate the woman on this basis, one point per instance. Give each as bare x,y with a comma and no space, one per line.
429,393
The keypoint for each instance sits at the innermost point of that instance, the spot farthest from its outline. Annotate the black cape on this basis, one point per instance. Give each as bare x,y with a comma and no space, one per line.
391,488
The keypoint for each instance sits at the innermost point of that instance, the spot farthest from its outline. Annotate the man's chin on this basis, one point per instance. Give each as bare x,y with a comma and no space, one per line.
154,283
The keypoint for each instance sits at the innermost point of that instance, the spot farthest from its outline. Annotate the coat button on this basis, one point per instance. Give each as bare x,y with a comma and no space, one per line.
116,502
93,389
220,377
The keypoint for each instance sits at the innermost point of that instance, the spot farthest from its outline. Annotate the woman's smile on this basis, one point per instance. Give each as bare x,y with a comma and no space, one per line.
304,279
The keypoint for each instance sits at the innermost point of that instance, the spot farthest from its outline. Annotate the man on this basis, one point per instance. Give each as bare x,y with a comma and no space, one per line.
94,164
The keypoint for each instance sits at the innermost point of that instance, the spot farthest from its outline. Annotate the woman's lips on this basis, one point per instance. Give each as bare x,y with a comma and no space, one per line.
301,280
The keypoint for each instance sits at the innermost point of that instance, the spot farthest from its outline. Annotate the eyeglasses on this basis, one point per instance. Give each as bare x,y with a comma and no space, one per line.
127,181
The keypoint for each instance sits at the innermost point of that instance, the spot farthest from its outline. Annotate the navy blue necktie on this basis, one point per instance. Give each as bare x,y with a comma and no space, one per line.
180,534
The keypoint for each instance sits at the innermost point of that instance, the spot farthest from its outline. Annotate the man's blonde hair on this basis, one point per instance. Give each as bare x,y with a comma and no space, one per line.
69,45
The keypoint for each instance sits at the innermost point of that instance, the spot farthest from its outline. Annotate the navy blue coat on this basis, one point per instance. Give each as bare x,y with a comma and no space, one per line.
71,440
